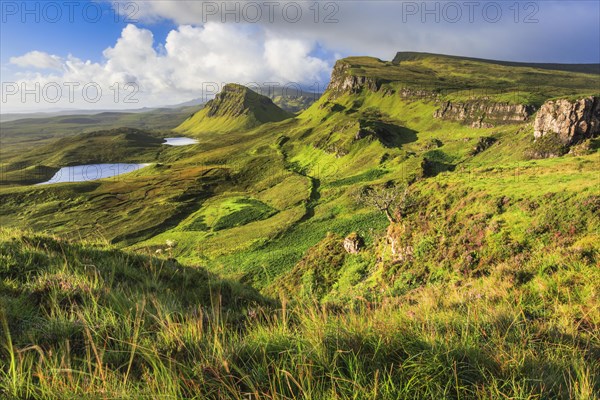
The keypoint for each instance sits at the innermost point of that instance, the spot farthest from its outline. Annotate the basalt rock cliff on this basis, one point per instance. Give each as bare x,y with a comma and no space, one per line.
570,121
343,80
484,114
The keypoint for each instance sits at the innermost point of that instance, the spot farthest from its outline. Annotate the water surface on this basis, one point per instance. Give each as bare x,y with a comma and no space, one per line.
179,141
91,172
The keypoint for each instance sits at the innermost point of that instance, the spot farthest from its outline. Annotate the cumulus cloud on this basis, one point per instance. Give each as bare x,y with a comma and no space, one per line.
38,59
522,30
220,42
192,60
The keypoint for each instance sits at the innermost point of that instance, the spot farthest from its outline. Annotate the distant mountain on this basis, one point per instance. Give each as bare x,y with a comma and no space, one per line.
291,99
235,108
189,103
8,117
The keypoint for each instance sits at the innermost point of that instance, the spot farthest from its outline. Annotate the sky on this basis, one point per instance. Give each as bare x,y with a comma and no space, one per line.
95,55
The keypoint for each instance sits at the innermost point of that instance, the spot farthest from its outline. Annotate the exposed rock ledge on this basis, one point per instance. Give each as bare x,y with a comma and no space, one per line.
342,81
570,121
484,114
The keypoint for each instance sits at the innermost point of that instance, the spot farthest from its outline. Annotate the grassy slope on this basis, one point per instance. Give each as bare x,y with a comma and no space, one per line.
236,108
31,150
118,145
286,166
583,68
102,320
118,324
498,299
38,131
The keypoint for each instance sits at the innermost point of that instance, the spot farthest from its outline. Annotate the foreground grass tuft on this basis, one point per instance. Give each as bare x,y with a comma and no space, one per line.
82,320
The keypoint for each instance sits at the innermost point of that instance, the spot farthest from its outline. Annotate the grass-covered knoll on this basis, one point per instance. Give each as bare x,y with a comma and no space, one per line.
234,108
152,199
83,320
229,213
116,145
38,131
249,210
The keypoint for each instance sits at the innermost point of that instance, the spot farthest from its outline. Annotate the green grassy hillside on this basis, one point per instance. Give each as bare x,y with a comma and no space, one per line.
121,144
583,68
484,286
37,131
459,78
234,108
86,320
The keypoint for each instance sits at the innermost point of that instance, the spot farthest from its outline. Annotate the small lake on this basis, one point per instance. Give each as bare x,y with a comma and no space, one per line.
91,172
179,141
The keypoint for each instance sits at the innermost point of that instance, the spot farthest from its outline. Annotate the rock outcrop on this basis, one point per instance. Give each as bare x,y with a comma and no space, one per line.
353,243
344,81
484,114
409,93
569,121
400,251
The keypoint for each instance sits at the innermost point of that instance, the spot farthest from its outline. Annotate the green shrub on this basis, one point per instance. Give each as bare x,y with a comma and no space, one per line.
549,145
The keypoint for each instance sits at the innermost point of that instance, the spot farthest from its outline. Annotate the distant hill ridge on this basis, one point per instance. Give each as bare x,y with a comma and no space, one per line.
582,68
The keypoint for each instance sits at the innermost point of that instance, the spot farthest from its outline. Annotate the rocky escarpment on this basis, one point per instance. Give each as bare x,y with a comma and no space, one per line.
410,93
484,114
568,121
344,81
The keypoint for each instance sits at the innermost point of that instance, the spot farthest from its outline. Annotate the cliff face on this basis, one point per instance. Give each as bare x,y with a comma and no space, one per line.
570,121
484,114
342,81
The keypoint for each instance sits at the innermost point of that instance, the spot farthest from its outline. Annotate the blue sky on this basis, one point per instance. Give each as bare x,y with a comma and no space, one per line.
172,49
82,36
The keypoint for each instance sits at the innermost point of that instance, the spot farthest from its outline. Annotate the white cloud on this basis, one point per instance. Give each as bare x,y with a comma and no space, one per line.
542,31
289,58
191,60
38,59
278,50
